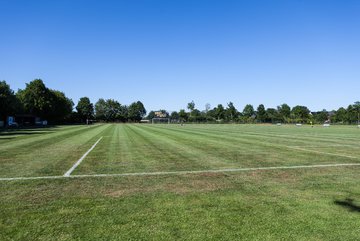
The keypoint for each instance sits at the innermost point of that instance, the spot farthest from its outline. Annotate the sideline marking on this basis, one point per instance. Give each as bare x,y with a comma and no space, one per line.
320,152
68,173
180,172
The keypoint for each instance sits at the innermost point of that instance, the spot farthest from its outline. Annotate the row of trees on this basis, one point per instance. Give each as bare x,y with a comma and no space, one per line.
283,113
53,105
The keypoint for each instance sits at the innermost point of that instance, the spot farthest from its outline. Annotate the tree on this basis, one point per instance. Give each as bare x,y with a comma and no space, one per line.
231,113
321,116
151,115
300,114
8,101
248,111
100,109
284,111
36,98
183,115
191,106
340,115
174,115
356,107
261,113
85,109
351,114
60,107
272,115
110,111
136,111
219,112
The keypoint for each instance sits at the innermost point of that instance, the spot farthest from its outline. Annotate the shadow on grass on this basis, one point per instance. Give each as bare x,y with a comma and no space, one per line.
26,131
349,204
14,133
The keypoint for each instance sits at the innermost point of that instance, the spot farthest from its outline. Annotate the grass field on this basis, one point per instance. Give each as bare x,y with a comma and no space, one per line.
160,200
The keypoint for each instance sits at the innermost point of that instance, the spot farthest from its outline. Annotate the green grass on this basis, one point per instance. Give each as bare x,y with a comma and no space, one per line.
294,204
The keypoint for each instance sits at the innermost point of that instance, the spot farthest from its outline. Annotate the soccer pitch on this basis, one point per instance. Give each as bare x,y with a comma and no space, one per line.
172,182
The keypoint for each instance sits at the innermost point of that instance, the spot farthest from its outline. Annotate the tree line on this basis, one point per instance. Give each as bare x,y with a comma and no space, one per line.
52,105
281,114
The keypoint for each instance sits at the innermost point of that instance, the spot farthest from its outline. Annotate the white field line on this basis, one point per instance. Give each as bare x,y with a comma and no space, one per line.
68,173
183,172
321,152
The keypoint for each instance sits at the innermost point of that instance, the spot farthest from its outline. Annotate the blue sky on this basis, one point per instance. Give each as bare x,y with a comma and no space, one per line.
167,53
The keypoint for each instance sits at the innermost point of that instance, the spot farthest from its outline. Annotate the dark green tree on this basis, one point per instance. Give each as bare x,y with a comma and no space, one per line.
151,115
356,107
8,101
300,114
351,114
36,98
273,115
284,111
183,115
136,111
174,115
60,107
191,106
100,110
248,111
248,114
219,112
340,116
85,109
231,113
321,116
261,113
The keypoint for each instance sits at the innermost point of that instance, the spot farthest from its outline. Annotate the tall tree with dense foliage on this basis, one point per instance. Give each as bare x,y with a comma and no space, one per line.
191,106
261,113
321,116
60,107
351,114
100,109
356,107
8,101
248,111
300,114
183,115
284,112
36,98
340,116
110,111
136,111
85,109
273,115
219,112
231,113
174,115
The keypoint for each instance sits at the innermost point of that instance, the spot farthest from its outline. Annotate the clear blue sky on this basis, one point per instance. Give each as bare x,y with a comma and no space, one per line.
167,53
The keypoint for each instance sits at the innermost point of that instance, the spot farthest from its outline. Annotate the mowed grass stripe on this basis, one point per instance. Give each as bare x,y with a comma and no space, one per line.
293,204
34,137
140,150
151,148
273,152
52,154
292,134
277,143
333,134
